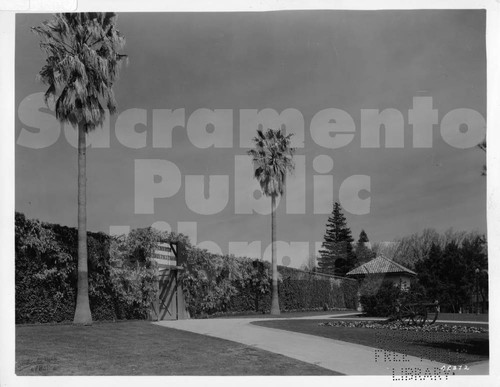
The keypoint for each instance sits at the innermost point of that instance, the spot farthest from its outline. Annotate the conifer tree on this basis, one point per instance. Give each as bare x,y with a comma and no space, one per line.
363,251
363,238
336,256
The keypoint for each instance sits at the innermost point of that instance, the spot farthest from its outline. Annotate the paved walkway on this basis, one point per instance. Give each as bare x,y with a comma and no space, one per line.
335,355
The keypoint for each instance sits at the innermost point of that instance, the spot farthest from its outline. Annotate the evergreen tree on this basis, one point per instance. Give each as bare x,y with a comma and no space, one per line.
455,288
337,256
363,252
430,270
454,274
363,238
475,255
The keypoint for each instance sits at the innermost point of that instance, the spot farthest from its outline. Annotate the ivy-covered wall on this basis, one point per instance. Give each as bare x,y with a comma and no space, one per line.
122,277
216,284
300,291
46,275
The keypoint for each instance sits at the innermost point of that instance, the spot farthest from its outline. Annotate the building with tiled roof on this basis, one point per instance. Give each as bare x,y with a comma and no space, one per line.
384,267
380,265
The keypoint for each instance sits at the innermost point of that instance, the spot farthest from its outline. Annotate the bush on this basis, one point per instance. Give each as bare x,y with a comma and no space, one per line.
378,297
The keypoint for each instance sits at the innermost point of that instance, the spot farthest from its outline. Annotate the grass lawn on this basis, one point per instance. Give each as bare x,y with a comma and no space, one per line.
445,317
286,315
463,317
447,348
141,348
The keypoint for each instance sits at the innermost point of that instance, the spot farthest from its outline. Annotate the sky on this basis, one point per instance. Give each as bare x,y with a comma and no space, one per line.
344,63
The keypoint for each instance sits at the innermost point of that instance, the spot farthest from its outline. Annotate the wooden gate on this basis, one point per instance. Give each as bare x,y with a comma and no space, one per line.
167,295
169,303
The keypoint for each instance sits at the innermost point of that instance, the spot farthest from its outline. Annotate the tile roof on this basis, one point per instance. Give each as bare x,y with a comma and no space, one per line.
380,265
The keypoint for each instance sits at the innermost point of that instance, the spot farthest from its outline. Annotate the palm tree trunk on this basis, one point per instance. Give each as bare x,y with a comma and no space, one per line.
275,305
82,311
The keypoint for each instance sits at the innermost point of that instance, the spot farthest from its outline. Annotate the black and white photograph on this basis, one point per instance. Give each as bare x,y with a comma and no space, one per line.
250,192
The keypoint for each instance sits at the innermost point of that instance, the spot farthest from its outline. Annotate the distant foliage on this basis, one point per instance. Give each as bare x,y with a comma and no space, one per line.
451,267
410,249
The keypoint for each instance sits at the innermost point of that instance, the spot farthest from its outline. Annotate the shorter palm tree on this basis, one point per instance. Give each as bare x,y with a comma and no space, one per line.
272,158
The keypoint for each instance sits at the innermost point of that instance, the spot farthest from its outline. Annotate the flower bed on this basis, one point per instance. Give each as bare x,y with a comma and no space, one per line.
399,326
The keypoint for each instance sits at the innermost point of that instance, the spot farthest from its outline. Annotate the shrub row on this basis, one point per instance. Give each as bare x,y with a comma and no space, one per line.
298,291
46,275
216,285
122,277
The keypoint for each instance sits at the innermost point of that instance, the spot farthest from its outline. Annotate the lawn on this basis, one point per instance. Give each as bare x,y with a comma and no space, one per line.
285,314
141,348
463,317
443,317
446,348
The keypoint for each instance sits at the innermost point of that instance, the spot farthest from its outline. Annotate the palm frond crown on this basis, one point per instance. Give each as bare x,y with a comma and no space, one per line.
272,158
81,66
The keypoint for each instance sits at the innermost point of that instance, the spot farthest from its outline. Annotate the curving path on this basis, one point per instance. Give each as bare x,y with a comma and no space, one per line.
340,356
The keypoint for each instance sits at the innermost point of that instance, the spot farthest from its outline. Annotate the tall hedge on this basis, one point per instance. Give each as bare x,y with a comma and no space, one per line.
299,290
46,275
222,284
122,277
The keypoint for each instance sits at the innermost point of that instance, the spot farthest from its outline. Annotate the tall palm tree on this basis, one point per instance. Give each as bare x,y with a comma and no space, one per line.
82,63
272,158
